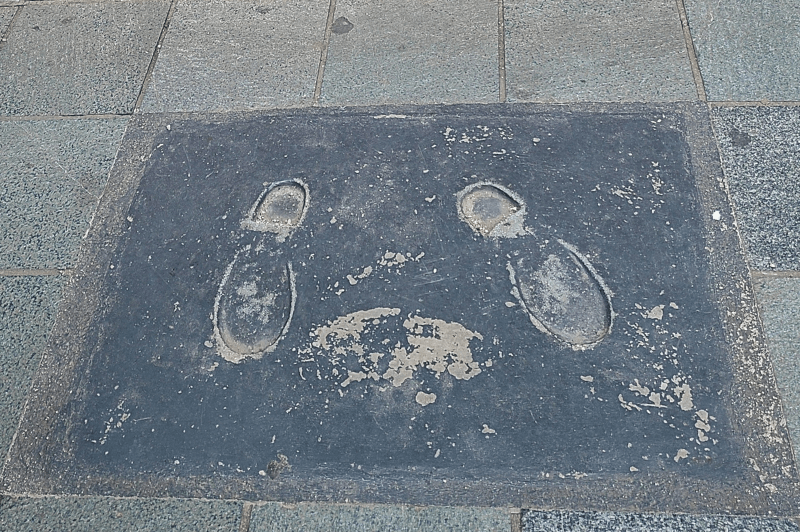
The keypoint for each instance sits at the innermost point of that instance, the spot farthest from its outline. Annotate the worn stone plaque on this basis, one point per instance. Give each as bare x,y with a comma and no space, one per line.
490,304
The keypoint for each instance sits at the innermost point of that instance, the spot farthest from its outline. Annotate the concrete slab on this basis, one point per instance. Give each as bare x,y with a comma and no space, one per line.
760,149
27,311
80,58
275,517
391,51
779,300
560,521
52,173
747,51
572,50
228,55
88,514
399,307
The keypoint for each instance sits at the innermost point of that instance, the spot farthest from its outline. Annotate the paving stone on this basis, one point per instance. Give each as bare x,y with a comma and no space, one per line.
53,173
89,514
779,300
276,517
760,149
6,14
747,51
561,521
391,51
27,310
572,50
349,306
226,55
79,58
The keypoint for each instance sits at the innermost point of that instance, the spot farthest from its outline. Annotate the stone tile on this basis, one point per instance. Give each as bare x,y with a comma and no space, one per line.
747,50
89,514
391,51
6,14
80,58
274,517
52,174
224,55
27,310
562,521
572,50
779,300
760,149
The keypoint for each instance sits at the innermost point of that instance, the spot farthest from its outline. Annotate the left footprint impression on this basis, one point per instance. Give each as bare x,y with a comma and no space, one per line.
256,298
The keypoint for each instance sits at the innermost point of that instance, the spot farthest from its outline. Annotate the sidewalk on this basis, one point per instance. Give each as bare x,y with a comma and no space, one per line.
530,266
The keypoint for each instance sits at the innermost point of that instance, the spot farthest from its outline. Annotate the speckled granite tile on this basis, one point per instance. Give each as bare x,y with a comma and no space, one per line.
52,173
79,58
760,149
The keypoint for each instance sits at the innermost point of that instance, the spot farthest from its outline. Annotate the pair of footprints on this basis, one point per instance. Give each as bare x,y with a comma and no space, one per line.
557,287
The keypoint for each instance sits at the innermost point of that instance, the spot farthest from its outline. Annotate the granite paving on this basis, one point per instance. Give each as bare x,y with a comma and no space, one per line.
89,514
748,51
391,51
78,58
27,311
53,173
227,55
760,150
571,50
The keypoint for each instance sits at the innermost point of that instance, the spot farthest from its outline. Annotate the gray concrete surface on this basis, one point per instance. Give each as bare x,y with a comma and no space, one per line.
80,58
394,51
558,521
779,300
274,517
571,50
760,149
225,55
27,310
52,174
748,51
91,514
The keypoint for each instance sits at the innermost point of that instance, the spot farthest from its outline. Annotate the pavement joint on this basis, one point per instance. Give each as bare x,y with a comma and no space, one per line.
323,55
501,49
247,512
146,81
687,35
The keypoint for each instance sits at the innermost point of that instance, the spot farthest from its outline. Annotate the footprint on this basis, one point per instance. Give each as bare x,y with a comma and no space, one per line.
562,294
256,297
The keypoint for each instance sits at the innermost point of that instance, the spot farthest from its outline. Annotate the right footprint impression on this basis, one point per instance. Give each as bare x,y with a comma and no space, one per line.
560,291
256,297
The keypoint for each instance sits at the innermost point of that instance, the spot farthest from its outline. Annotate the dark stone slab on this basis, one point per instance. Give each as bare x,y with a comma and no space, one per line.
487,304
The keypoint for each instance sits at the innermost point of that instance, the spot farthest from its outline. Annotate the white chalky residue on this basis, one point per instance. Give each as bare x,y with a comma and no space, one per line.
685,393
487,430
435,345
682,453
425,398
656,313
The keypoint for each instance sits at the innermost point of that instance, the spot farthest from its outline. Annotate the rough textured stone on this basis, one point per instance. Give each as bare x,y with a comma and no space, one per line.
89,514
571,50
224,55
760,148
27,310
340,518
391,51
747,50
79,58
560,521
52,174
